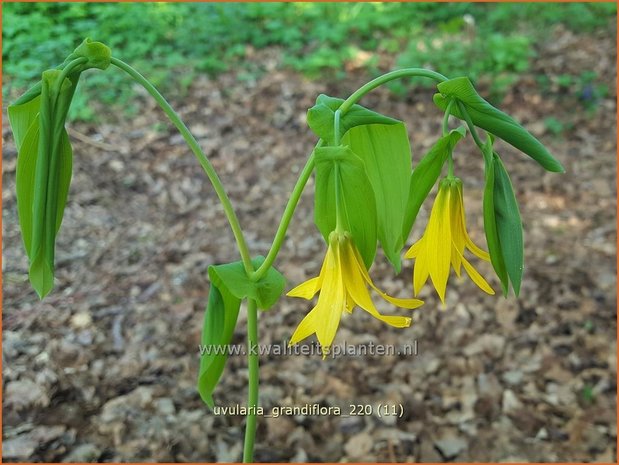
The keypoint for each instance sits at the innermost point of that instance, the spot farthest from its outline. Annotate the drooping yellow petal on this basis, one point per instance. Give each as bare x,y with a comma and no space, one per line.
355,261
350,302
354,279
306,290
439,242
306,328
410,304
331,300
420,273
462,226
476,250
458,229
476,277
414,250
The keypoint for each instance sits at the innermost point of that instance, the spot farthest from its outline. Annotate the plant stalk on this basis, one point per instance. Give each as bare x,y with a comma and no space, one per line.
254,381
379,81
202,159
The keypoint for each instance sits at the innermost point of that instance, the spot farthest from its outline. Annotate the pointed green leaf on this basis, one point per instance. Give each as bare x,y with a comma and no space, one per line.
356,198
220,319
493,120
44,165
21,118
490,225
386,153
41,274
425,175
321,116
234,279
24,183
509,224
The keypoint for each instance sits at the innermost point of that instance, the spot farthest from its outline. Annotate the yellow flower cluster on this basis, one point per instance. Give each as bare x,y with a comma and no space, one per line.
343,280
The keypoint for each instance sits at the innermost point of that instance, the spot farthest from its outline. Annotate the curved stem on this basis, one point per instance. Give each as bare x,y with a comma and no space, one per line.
254,381
379,81
66,71
293,200
337,116
204,162
309,166
470,125
446,118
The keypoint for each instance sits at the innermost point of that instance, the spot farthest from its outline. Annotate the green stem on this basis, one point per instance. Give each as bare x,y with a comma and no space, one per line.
309,166
379,81
445,132
336,127
293,200
470,125
204,162
254,381
65,72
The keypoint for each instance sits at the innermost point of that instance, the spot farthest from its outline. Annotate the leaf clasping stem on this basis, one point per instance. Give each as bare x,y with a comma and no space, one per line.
309,166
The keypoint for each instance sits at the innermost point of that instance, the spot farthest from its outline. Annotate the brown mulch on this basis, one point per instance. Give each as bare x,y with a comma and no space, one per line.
104,369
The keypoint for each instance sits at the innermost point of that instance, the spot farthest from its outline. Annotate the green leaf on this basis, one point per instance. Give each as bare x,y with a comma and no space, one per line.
25,185
321,116
493,120
425,175
220,319
44,166
229,285
490,225
356,198
509,224
234,279
386,153
21,118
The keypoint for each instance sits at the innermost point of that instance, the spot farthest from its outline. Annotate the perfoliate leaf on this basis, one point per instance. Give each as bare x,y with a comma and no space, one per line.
321,116
220,319
386,153
490,225
493,120
509,224
21,118
229,285
356,198
425,175
234,279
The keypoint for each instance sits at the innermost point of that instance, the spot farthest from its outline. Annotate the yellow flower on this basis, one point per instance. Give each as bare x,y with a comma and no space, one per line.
342,284
444,241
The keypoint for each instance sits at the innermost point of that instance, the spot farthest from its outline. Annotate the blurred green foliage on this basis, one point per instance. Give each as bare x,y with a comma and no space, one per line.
171,42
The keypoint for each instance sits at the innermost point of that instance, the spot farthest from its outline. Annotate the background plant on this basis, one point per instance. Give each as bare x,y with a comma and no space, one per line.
178,41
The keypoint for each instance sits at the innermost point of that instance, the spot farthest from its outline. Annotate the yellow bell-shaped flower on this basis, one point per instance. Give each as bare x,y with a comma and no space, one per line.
342,283
443,242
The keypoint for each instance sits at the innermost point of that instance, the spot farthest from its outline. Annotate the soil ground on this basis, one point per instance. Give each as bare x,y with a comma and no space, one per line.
104,369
